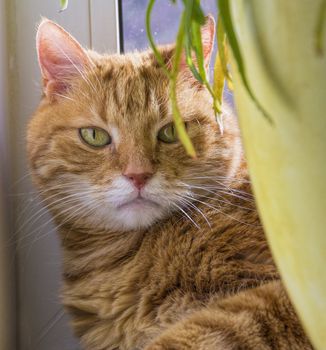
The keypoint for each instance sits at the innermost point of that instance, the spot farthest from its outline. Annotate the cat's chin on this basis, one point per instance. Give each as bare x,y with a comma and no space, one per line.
138,214
138,204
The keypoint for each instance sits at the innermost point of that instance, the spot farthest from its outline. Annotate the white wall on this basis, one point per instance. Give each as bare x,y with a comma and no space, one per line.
7,263
42,324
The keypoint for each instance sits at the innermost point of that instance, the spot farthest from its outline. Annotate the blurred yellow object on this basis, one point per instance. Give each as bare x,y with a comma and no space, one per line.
287,159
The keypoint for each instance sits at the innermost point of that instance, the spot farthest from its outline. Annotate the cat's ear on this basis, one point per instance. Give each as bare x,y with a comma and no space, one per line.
207,37
60,57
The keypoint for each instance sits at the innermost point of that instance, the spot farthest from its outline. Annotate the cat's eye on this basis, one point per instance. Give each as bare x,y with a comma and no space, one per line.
95,137
168,133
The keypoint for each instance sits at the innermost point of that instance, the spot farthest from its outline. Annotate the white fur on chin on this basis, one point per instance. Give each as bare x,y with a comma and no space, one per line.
117,208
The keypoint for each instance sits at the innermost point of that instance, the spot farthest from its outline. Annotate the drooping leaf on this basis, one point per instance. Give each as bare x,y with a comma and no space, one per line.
223,52
188,11
172,75
152,44
177,118
198,48
320,28
219,78
63,5
225,13
197,13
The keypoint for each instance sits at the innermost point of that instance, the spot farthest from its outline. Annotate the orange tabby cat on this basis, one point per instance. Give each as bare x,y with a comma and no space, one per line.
161,251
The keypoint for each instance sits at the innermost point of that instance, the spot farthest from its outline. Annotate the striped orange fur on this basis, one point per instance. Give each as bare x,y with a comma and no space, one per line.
180,262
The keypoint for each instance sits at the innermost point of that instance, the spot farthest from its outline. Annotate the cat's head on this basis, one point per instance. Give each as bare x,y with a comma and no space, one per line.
102,146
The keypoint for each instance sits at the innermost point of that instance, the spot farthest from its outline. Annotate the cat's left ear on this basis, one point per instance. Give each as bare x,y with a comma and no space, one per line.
61,58
207,37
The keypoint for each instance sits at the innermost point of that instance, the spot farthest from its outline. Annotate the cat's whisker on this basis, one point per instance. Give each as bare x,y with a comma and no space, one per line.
74,214
49,325
69,199
64,198
223,200
64,96
225,214
22,194
18,181
183,197
236,195
204,188
217,190
186,214
91,208
38,237
221,177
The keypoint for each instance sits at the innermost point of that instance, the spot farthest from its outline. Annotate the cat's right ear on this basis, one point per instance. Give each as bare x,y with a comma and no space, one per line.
60,57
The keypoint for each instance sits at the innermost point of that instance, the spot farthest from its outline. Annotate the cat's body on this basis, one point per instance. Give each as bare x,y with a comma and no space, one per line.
147,284
161,251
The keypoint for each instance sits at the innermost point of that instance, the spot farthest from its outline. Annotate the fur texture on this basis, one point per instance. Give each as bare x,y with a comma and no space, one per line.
181,263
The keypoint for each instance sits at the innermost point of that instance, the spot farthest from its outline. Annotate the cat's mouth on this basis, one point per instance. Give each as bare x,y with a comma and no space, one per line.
138,203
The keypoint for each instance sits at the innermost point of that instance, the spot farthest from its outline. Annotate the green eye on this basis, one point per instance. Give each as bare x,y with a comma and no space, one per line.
95,137
168,133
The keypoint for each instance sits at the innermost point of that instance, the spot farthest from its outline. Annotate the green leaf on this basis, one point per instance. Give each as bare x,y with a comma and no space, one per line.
63,5
320,28
152,44
197,13
222,51
188,11
177,118
172,75
198,47
219,78
225,13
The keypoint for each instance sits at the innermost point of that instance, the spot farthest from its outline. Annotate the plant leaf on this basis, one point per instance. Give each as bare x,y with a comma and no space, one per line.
222,51
198,48
225,13
219,78
177,118
63,5
320,28
197,13
188,11
152,44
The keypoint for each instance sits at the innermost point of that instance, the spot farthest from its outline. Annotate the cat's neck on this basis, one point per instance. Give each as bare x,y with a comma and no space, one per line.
86,249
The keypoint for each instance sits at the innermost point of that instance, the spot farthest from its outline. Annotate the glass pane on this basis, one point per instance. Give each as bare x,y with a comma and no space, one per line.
165,18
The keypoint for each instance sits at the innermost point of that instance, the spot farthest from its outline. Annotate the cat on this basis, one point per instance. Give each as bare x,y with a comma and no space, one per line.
160,250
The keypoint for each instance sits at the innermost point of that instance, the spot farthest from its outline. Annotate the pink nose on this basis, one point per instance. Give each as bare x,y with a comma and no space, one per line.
139,180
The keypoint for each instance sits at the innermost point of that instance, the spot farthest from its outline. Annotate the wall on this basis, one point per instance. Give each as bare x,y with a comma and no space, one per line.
7,266
41,321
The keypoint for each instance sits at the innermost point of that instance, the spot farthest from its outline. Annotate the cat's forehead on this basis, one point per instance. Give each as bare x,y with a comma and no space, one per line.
134,89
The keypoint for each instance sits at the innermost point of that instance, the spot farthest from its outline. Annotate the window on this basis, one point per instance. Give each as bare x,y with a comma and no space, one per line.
165,19
164,24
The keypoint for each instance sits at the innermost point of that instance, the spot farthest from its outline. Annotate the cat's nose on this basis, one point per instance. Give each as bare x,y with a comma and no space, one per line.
139,180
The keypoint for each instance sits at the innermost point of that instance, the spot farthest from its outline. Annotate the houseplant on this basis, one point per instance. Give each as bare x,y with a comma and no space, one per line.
279,69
